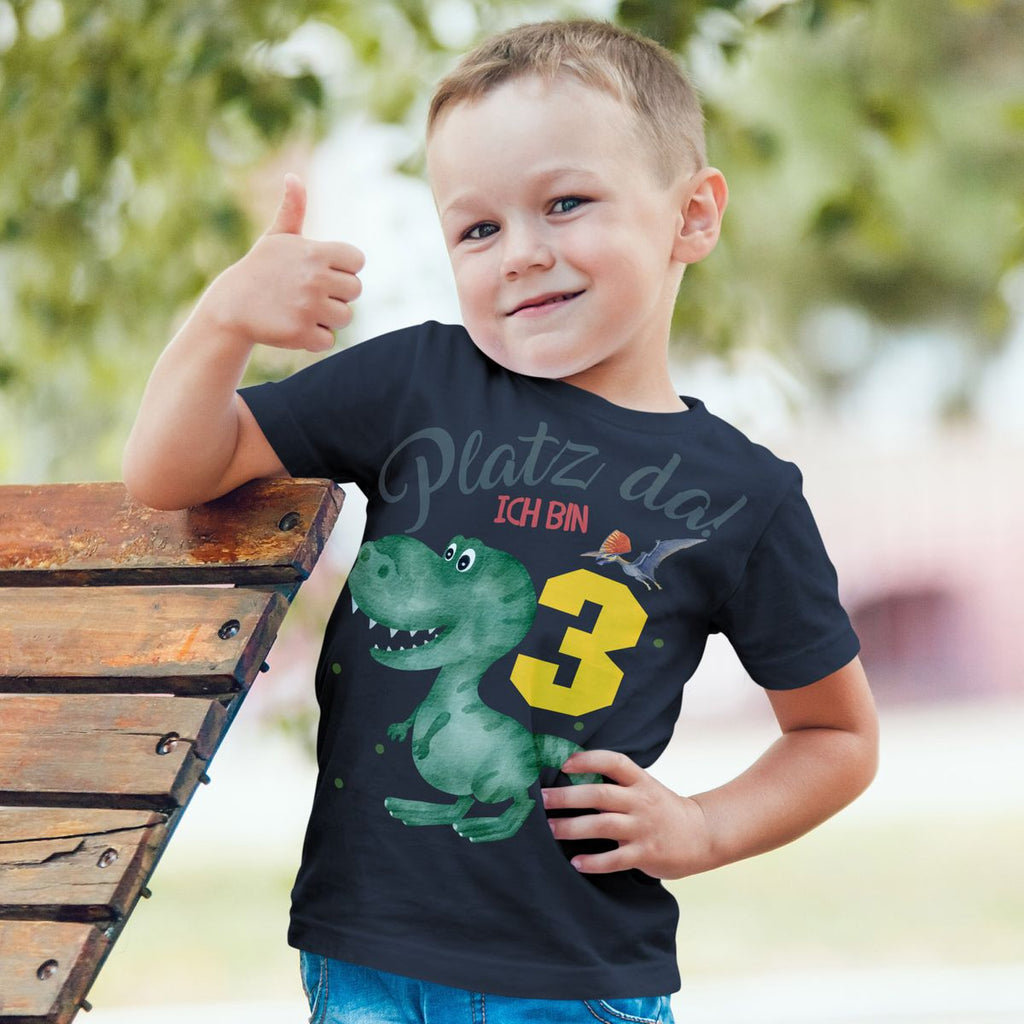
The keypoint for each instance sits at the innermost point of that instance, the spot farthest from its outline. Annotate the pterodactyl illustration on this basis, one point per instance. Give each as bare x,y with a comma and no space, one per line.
617,544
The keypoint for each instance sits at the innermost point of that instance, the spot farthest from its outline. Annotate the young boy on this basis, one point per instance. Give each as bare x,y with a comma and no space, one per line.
552,533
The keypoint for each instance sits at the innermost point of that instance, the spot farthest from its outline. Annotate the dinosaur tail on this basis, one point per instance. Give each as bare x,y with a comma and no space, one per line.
554,751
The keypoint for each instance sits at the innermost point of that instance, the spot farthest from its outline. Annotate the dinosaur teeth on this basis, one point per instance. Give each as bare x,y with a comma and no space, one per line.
408,639
355,607
373,622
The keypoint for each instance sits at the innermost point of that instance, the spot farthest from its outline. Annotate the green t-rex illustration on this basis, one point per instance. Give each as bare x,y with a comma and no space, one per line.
458,612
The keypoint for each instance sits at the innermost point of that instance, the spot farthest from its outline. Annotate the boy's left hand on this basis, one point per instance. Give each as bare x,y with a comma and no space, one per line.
658,831
826,756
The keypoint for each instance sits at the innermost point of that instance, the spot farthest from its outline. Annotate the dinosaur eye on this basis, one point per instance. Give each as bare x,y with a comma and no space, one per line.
465,562
450,552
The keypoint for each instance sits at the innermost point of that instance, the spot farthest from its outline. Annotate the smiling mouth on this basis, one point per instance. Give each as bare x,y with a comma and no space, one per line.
550,300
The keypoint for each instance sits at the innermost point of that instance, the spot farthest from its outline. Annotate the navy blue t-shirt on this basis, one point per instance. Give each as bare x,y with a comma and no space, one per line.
540,572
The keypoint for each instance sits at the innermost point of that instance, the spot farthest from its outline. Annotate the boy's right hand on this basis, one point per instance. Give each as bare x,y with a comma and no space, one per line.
287,291
194,437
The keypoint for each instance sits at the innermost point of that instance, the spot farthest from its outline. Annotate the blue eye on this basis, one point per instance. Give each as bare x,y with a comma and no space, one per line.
567,204
480,231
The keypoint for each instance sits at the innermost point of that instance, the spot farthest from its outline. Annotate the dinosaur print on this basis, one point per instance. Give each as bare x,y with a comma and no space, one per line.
462,610
617,544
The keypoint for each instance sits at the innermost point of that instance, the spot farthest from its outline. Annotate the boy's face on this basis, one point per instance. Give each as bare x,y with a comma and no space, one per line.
562,240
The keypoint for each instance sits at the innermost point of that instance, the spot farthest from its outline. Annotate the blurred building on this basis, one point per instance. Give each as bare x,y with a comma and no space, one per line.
930,549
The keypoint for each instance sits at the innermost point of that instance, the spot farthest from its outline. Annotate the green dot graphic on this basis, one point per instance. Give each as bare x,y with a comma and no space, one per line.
379,748
336,669
659,642
579,726
339,783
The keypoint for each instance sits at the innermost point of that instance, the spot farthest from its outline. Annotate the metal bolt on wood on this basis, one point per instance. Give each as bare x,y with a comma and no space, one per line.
47,970
107,858
289,521
229,629
167,743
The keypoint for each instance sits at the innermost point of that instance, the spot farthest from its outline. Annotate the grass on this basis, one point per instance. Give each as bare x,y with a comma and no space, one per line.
212,933
912,893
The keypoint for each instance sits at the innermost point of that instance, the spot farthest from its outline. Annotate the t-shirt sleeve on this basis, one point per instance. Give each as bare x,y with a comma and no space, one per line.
335,418
784,618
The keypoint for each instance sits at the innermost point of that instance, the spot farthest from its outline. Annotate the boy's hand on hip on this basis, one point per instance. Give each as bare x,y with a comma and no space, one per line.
287,291
658,831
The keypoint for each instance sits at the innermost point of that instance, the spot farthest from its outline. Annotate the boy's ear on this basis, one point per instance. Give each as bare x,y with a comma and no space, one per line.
704,200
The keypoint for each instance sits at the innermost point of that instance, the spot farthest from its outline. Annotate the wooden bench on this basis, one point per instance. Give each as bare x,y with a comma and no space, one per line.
128,640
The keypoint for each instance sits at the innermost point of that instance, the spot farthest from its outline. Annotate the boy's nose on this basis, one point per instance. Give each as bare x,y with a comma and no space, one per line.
525,251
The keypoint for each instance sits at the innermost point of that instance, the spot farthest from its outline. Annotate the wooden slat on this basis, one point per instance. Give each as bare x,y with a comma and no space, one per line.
163,639
268,531
102,750
108,646
21,825
28,993
85,865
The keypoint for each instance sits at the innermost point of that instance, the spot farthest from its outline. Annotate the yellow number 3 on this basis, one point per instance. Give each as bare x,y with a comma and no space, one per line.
597,678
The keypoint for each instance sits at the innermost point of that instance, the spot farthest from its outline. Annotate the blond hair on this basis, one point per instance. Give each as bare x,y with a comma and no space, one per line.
635,70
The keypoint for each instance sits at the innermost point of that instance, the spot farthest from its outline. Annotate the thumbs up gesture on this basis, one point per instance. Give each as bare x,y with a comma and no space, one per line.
288,291
292,211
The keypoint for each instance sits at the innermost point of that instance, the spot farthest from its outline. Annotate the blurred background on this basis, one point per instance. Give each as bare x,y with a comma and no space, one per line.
862,316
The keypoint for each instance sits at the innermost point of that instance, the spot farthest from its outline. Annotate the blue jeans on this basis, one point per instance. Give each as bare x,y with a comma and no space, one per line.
343,993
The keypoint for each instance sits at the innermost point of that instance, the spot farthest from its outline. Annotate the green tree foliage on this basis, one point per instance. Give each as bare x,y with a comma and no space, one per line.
873,147
124,125
129,128
875,150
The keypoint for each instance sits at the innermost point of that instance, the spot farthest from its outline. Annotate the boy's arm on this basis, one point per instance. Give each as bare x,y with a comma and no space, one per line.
827,755
194,438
